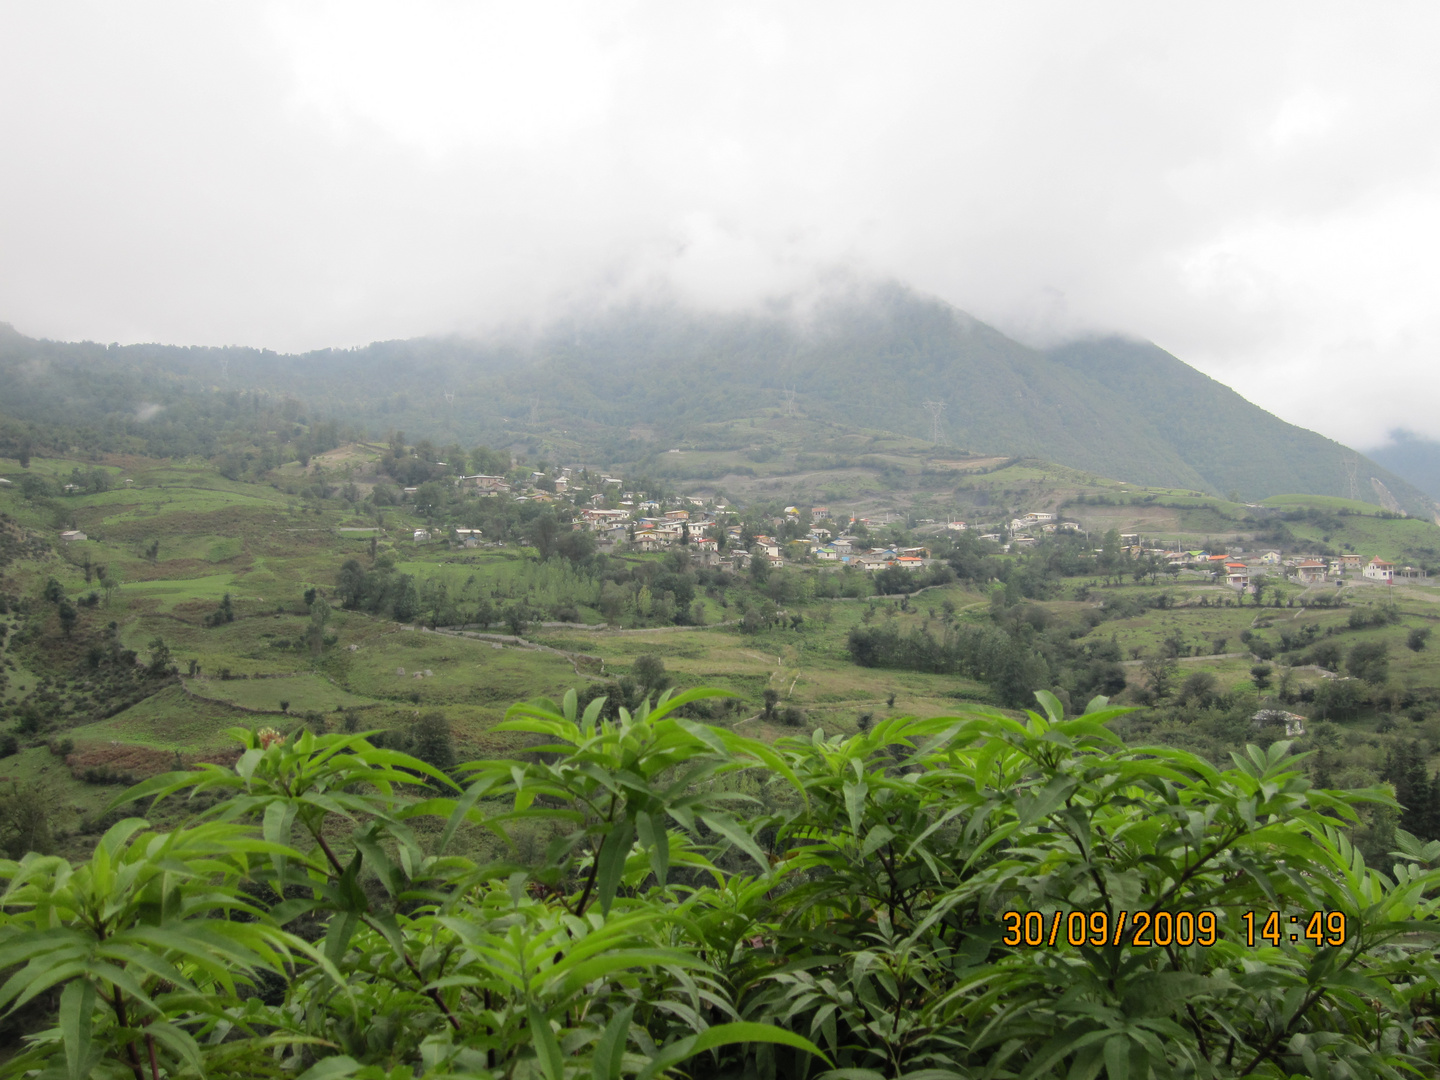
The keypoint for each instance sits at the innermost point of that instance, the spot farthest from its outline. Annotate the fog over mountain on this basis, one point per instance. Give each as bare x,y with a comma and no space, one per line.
1254,190
630,383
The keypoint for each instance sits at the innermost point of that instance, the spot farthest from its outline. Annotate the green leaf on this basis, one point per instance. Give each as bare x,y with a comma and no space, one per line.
547,1047
657,841
331,1068
610,1050
77,1014
736,833
613,853
724,1035
1117,1057
855,794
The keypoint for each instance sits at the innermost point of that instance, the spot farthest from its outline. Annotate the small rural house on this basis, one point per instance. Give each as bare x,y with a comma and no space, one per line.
1294,725
73,534
1311,571
421,535
1380,570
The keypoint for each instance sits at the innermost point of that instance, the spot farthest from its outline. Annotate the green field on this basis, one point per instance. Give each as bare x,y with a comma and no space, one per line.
180,538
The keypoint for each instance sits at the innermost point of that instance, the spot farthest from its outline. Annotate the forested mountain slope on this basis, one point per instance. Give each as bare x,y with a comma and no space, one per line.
1117,407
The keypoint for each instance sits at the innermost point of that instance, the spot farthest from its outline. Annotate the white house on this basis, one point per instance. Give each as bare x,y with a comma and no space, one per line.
421,535
73,534
1270,558
1379,570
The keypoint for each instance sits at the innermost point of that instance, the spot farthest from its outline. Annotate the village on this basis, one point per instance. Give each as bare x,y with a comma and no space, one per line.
626,520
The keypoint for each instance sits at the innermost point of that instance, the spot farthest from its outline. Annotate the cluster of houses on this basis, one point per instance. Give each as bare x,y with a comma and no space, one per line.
699,529
1237,571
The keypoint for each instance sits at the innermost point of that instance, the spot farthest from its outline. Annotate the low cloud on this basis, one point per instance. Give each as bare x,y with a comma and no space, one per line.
1258,203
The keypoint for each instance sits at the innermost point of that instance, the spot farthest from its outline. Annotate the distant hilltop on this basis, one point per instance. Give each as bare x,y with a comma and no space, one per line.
621,386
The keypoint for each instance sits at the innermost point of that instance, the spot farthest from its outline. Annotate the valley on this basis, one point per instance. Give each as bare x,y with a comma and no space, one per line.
201,603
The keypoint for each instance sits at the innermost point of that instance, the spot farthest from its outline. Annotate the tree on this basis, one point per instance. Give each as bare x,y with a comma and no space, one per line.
350,584
406,603
649,671
516,618
110,580
1260,673
1161,670
543,533
1200,688
1369,660
160,665
315,631
432,742
1417,638
225,613
24,822
1110,552
1258,584
68,615
575,545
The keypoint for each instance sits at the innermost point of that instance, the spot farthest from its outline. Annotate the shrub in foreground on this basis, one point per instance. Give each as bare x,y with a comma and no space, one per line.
711,902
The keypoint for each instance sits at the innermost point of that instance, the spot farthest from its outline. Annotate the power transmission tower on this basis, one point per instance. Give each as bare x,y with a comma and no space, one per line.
449,397
788,409
935,408
1352,463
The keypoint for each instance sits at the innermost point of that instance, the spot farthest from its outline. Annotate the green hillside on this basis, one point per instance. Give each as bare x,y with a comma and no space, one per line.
624,386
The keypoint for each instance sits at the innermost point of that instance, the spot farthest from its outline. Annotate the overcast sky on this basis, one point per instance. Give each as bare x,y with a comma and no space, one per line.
1253,187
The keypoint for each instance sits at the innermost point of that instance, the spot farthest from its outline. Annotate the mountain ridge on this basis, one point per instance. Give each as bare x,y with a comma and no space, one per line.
1112,405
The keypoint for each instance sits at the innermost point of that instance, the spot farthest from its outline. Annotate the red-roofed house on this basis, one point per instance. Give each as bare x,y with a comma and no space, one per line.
1380,570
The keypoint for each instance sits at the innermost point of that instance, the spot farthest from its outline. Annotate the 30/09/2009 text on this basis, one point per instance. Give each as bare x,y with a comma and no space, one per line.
1140,929
1146,929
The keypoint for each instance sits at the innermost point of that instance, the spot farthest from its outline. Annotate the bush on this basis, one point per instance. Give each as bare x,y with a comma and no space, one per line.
105,774
1369,660
891,874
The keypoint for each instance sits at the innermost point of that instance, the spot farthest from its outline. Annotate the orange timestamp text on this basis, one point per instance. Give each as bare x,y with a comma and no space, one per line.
1146,929
1138,929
